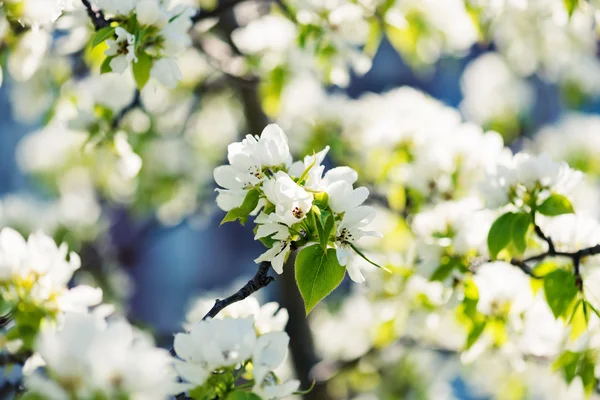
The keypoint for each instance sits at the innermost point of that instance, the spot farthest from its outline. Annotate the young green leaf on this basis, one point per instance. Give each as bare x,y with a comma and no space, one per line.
579,320
105,67
560,290
557,204
321,200
520,226
317,274
500,234
141,69
103,34
242,212
571,6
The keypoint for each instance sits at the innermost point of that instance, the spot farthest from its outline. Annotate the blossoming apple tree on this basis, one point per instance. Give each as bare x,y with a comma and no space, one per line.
471,237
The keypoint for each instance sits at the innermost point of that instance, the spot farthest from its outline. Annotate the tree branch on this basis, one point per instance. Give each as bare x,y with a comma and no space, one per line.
136,102
97,16
259,281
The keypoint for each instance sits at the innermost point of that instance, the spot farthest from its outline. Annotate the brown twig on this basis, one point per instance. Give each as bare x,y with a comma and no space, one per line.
260,280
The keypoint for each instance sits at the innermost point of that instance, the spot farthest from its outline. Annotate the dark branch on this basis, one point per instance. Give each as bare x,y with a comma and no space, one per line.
525,268
259,281
97,16
136,102
540,233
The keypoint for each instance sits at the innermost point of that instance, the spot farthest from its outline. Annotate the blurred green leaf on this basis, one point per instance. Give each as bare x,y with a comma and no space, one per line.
500,234
101,35
560,290
519,229
556,204
141,69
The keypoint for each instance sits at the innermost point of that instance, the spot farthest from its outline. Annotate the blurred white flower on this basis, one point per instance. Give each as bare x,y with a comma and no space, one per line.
502,287
491,91
88,357
122,49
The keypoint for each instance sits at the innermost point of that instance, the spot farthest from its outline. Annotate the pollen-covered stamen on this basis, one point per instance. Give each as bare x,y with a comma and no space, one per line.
345,236
256,171
297,212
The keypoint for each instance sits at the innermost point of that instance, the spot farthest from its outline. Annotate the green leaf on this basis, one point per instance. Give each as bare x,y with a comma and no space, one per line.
242,395
105,67
324,223
573,364
321,200
103,34
242,212
579,320
557,204
374,37
141,69
567,363
560,290
317,274
519,228
500,234
571,6
475,333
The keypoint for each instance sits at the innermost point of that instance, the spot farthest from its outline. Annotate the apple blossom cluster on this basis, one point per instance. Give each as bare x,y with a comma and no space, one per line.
296,203
235,350
148,38
527,181
88,357
34,275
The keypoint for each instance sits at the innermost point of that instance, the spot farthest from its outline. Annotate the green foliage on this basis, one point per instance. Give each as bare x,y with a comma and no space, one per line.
242,212
574,364
571,6
560,290
519,229
509,228
579,319
105,67
474,321
141,69
324,223
317,274
101,35
556,204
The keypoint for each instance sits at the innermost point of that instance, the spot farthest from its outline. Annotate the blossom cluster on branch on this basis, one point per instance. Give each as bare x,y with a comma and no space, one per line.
491,245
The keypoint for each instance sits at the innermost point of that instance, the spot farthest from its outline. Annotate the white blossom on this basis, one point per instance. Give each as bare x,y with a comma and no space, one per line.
122,49
232,342
248,160
292,202
87,357
349,230
502,286
41,270
524,174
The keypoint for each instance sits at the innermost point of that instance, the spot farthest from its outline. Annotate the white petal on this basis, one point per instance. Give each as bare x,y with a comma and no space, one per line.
355,273
119,64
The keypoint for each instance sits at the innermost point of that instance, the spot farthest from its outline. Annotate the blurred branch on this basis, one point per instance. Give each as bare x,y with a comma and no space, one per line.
260,280
97,16
136,102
